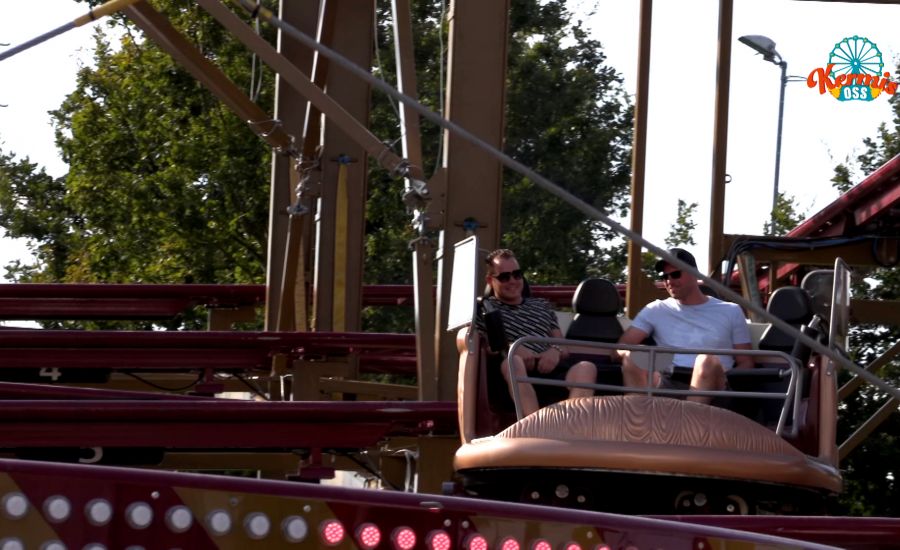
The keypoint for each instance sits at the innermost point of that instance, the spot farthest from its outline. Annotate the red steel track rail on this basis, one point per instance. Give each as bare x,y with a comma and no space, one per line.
46,301
173,350
218,424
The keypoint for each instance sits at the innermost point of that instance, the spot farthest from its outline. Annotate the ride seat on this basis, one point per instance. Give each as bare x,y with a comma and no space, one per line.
597,304
793,306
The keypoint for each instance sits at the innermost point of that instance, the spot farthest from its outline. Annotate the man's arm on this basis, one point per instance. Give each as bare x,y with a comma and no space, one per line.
547,360
563,352
632,336
743,361
741,333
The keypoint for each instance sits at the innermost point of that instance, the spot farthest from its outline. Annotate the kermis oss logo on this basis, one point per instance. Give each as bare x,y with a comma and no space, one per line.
853,72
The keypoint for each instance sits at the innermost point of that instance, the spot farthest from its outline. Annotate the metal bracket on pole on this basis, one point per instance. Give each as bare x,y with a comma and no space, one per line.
416,198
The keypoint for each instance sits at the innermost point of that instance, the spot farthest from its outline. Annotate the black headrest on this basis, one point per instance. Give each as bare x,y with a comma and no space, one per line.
791,304
526,289
596,297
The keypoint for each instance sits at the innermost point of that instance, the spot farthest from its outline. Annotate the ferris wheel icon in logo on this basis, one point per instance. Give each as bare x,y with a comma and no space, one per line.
853,72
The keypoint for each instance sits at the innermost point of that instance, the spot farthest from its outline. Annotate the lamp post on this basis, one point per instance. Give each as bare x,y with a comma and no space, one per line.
766,46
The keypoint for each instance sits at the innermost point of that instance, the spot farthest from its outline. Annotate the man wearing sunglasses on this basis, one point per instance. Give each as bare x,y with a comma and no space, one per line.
526,316
688,319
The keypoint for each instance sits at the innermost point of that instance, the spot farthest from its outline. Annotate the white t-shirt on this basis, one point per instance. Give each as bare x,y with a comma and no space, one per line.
713,324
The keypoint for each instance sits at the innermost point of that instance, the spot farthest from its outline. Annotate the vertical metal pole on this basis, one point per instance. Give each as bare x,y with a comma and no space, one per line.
720,136
288,237
783,66
426,343
478,36
353,37
404,51
423,248
634,298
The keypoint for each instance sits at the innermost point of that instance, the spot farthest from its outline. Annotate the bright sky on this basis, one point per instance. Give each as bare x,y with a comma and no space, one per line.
35,82
818,132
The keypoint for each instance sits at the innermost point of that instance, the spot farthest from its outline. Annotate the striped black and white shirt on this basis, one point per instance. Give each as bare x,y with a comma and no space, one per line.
532,317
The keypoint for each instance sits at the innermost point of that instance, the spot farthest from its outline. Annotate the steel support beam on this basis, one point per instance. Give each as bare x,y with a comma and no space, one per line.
161,31
478,49
869,426
854,383
428,212
344,163
406,83
425,308
289,229
855,253
720,137
347,141
636,296
272,132
883,312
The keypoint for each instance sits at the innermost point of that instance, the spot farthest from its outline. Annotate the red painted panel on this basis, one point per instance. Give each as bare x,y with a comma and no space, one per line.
242,498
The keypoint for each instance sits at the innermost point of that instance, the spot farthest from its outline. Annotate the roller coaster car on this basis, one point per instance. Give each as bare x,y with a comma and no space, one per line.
652,454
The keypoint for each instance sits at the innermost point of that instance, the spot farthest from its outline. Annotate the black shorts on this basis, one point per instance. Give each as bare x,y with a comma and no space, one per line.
680,379
553,394
561,370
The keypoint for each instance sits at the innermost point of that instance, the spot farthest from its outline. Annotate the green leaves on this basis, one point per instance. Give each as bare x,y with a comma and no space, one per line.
166,185
33,206
569,118
169,186
683,228
871,486
785,216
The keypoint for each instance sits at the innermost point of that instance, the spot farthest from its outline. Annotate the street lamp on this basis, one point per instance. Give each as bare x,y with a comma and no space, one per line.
766,47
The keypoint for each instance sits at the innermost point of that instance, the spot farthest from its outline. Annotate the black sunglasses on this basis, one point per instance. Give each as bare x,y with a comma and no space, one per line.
505,276
670,275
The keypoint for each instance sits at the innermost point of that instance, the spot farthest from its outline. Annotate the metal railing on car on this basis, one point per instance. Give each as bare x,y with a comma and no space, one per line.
790,397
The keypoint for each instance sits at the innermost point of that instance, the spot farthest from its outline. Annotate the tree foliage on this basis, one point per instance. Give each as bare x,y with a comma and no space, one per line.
167,186
683,228
785,216
884,146
164,183
871,470
842,178
46,221
568,118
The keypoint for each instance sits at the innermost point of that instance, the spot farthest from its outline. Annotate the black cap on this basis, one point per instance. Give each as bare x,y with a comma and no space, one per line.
679,253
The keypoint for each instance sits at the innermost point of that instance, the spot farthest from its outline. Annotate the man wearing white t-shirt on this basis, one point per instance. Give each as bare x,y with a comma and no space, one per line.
688,319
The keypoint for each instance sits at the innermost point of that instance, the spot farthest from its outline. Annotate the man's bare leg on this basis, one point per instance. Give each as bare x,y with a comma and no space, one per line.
709,374
527,396
633,375
583,372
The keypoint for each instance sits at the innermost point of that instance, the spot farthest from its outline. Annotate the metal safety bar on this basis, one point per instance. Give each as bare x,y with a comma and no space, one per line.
791,396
